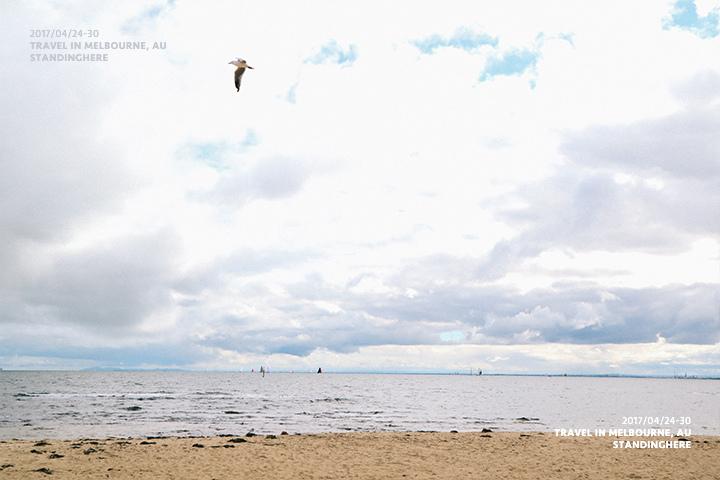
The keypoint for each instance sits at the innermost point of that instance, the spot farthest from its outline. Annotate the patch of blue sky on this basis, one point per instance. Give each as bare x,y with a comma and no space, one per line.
685,17
568,37
290,96
511,62
209,153
464,38
135,24
454,336
331,52
214,154
251,139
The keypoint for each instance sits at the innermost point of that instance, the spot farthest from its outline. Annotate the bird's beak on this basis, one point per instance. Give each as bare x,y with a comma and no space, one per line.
251,68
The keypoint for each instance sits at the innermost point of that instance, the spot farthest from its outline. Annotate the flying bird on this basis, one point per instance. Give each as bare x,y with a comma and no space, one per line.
240,63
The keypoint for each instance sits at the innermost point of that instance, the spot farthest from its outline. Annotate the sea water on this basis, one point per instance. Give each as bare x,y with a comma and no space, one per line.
36,405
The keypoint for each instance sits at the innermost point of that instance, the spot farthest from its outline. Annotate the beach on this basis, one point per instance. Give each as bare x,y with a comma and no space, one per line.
416,455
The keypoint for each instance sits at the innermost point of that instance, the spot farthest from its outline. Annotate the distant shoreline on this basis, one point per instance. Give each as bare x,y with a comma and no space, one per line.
330,372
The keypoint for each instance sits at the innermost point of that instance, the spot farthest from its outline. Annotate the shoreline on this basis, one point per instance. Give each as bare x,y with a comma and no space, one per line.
420,455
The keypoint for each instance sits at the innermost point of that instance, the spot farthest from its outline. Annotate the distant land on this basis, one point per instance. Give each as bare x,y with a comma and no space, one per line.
499,374
467,374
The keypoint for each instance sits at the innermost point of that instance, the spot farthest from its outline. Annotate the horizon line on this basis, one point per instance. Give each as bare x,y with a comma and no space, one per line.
378,372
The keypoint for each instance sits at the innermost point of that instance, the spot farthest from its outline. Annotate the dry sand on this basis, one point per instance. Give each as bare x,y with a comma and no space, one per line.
361,456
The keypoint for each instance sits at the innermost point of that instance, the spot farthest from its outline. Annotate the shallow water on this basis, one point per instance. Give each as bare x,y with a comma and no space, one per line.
132,404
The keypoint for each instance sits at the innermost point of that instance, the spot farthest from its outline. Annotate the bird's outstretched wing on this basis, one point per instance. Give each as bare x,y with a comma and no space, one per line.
238,76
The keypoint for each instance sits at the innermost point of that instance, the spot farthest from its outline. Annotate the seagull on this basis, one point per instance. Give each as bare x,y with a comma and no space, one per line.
240,63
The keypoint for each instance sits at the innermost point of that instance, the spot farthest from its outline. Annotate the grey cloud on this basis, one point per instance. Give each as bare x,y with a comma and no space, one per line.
569,312
678,313
242,263
54,175
700,89
57,177
343,332
65,348
506,254
670,195
591,211
271,179
279,177
307,325
684,144
109,287
575,313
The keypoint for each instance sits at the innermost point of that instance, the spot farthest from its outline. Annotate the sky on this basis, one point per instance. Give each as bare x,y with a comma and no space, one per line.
514,186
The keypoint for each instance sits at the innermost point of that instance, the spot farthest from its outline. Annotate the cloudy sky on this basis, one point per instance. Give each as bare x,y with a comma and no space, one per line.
522,187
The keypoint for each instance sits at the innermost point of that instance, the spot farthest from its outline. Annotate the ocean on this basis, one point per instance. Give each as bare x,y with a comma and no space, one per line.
44,405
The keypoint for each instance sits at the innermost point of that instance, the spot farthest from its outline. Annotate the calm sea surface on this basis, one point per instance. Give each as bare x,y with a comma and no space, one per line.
36,405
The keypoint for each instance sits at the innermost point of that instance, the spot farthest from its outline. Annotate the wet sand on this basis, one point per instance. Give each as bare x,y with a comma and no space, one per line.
417,455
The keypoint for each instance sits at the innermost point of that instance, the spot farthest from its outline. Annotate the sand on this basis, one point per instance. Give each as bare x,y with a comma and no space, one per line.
417,455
